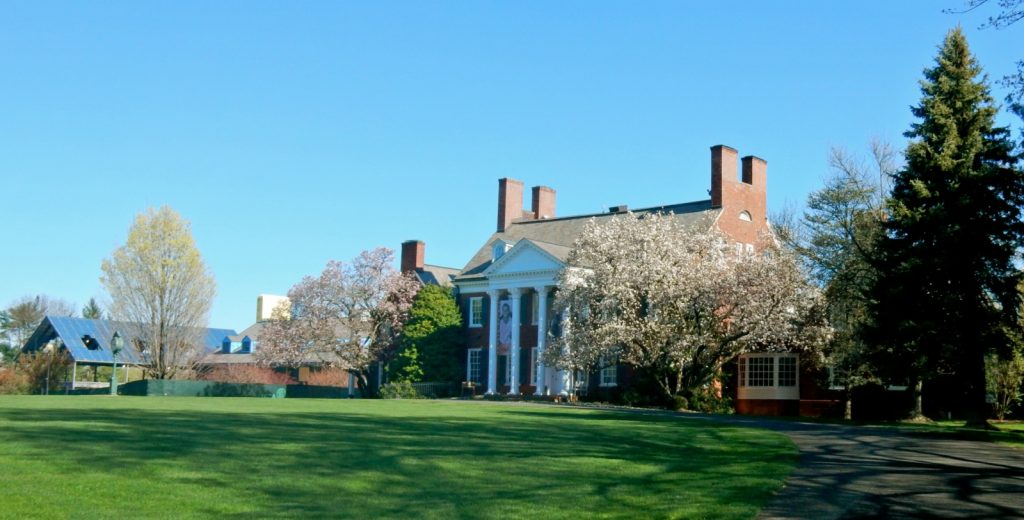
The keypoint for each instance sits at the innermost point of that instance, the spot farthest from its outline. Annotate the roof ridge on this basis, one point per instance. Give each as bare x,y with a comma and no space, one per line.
606,213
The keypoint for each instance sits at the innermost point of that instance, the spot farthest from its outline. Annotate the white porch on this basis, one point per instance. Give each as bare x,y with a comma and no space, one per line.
527,270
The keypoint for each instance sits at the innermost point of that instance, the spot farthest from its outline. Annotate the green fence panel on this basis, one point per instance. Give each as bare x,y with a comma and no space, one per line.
186,388
322,392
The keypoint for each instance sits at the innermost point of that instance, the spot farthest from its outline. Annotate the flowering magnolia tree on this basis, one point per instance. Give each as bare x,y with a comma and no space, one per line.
677,303
349,317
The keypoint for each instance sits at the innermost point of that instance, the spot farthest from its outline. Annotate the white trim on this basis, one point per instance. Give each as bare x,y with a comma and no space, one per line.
469,364
534,307
611,368
773,391
519,246
469,319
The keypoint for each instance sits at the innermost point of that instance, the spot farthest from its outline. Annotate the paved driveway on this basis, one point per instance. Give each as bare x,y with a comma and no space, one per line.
858,472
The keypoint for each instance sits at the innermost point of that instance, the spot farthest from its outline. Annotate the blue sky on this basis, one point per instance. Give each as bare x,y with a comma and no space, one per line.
291,133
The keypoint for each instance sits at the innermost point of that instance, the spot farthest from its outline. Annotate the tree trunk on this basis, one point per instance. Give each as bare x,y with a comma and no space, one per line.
916,411
363,382
666,389
848,408
974,379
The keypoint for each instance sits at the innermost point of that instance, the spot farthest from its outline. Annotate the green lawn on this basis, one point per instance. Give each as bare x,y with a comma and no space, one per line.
1010,433
130,457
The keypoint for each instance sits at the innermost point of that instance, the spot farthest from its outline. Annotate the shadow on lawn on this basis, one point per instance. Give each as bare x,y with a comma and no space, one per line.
855,471
883,472
513,462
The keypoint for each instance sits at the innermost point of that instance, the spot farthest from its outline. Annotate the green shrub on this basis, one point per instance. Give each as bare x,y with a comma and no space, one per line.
680,403
12,382
706,401
45,370
398,390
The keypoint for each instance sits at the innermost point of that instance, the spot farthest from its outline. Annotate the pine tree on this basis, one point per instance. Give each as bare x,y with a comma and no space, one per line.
946,292
92,310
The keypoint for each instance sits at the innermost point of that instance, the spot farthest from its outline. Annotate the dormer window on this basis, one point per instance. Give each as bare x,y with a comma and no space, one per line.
745,216
498,249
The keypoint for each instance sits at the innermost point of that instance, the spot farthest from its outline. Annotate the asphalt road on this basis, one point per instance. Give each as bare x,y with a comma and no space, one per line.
884,472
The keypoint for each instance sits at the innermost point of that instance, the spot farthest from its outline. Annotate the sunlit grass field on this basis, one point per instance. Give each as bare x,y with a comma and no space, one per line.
176,457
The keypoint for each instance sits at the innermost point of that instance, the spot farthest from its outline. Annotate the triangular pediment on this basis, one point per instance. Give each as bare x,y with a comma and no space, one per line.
525,257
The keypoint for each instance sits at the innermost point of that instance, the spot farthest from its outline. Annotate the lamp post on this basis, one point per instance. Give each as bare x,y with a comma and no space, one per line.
116,343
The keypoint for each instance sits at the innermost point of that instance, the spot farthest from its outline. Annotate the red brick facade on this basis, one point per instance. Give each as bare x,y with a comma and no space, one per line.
740,197
412,255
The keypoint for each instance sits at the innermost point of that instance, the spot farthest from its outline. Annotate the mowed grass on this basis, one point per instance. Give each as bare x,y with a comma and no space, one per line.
151,457
1009,433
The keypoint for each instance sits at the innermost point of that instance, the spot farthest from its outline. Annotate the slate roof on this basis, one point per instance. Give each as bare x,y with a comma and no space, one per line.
557,235
73,331
236,358
437,275
253,331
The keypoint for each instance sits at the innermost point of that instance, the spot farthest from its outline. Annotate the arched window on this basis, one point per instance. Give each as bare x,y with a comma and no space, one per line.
745,216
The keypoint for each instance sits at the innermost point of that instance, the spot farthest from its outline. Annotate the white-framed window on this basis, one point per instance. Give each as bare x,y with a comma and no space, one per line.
742,369
761,371
609,373
535,308
739,248
750,249
476,311
473,372
787,371
745,216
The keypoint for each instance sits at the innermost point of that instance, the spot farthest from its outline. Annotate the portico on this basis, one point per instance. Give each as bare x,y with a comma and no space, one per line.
521,279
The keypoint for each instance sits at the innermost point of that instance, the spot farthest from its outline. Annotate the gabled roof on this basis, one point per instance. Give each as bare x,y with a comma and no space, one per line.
551,254
73,332
557,235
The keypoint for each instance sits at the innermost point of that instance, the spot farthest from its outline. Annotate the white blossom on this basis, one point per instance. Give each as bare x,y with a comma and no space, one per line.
679,302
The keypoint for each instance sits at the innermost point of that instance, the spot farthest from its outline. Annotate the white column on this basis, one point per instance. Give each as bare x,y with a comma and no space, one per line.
517,295
542,333
492,344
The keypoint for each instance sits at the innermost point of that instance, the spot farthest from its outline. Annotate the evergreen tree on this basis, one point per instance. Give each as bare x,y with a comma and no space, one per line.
946,291
92,310
431,336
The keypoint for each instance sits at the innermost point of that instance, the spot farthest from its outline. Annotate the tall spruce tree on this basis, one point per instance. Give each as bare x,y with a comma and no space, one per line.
946,291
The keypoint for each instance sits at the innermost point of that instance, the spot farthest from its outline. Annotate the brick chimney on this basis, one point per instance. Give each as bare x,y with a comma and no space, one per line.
543,202
510,202
755,171
743,200
723,171
412,255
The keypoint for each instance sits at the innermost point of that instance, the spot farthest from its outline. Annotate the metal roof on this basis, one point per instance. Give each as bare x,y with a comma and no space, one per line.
75,333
